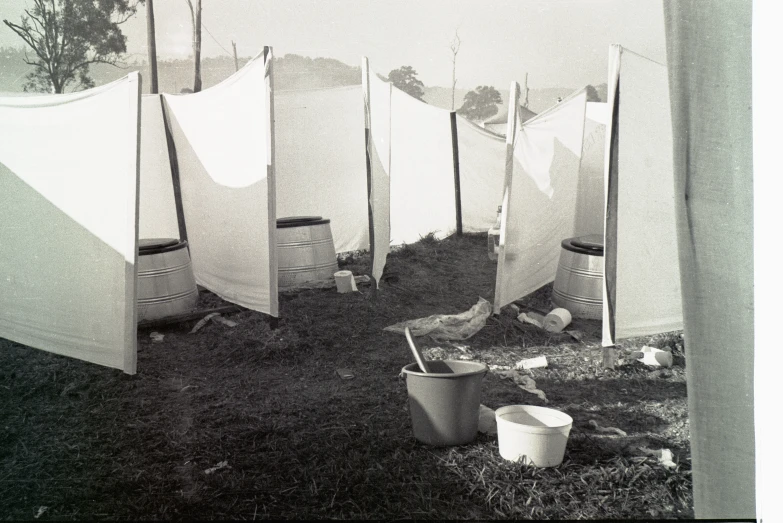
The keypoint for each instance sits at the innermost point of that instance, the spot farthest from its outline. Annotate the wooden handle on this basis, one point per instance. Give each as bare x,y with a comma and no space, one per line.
416,352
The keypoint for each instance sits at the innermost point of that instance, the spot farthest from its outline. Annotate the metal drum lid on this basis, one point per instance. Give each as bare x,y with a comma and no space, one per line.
300,221
158,245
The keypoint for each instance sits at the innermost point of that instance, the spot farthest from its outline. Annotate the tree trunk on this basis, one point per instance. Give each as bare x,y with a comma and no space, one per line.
197,47
151,48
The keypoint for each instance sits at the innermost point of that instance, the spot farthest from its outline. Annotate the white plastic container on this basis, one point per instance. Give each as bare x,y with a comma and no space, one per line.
533,435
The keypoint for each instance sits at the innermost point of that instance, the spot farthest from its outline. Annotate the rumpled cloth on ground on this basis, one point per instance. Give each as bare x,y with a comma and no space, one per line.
442,327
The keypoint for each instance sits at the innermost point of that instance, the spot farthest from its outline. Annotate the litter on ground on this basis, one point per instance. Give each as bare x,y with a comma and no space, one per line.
442,327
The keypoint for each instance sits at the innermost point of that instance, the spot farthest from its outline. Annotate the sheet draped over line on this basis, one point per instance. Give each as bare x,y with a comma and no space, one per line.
228,187
319,155
641,269
540,199
69,175
709,52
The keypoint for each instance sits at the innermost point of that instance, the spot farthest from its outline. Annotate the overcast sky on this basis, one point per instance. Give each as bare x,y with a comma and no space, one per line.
559,43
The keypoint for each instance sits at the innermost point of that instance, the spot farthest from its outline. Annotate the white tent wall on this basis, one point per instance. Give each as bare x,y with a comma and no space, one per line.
422,189
709,56
377,122
590,193
222,138
540,199
641,269
69,175
157,210
320,164
481,172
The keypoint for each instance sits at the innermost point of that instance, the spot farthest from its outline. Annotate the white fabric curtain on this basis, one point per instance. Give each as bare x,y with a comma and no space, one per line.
481,172
223,142
319,161
377,110
641,269
157,211
540,199
709,55
69,175
422,170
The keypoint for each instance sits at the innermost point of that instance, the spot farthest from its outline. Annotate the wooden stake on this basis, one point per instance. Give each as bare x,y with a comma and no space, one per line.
236,62
455,156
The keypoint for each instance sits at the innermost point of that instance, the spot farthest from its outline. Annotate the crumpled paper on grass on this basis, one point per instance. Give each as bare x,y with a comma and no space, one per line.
524,382
665,456
443,327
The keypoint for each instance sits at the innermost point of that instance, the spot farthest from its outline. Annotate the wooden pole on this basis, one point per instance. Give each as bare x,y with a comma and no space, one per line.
197,48
236,62
152,48
455,157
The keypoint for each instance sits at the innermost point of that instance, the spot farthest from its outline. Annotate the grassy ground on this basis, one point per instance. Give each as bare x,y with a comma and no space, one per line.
251,423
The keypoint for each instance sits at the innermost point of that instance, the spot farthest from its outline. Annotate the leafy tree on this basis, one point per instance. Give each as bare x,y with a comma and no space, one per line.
592,94
481,103
405,80
69,35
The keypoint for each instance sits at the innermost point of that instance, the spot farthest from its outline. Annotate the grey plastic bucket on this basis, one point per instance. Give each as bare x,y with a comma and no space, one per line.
444,403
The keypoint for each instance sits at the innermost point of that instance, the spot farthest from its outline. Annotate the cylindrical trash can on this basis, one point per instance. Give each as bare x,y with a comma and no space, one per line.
305,251
444,403
578,285
166,285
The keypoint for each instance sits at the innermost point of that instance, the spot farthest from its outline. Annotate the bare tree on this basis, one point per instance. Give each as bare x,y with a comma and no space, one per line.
455,43
195,17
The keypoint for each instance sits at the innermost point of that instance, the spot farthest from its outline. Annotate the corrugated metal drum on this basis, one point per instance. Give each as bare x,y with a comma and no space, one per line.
578,284
305,251
166,285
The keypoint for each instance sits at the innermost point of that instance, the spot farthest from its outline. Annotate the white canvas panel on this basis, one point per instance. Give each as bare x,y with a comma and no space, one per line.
222,138
378,111
711,56
69,177
320,162
590,195
157,211
481,171
641,269
540,199
422,170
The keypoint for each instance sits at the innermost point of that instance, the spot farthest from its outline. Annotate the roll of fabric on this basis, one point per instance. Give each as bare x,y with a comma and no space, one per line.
557,320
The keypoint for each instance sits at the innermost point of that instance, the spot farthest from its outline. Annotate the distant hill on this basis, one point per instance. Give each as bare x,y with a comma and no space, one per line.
291,72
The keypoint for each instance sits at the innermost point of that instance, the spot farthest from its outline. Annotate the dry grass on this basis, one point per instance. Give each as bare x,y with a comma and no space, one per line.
91,443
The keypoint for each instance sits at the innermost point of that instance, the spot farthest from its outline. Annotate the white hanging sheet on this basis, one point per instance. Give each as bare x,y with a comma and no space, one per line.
540,199
223,142
69,174
320,164
641,268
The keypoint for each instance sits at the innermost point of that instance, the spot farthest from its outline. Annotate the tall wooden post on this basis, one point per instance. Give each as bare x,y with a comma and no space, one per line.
151,48
455,159
196,17
236,62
